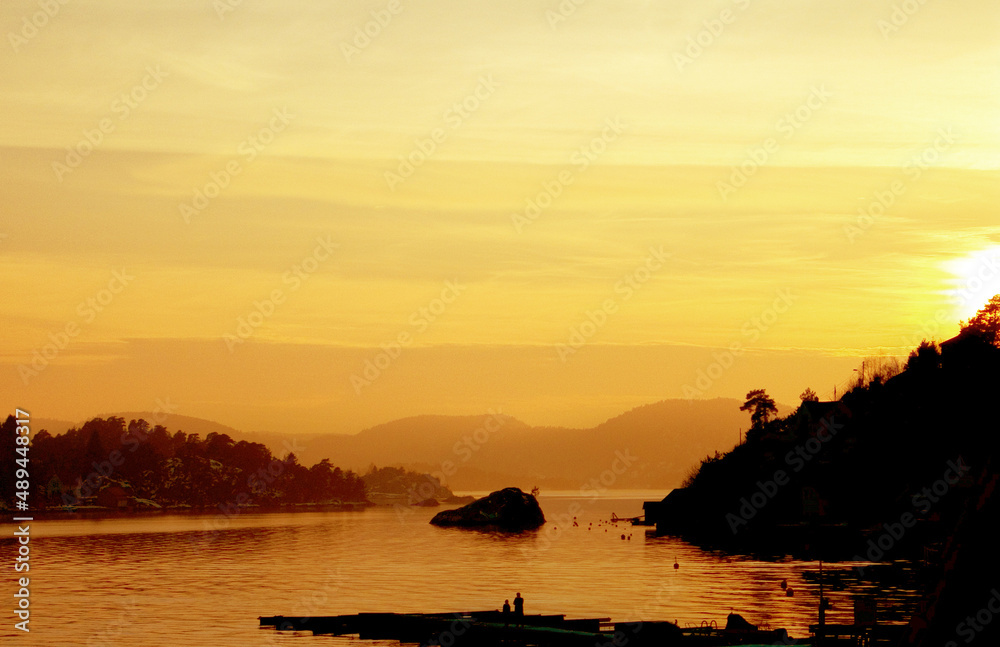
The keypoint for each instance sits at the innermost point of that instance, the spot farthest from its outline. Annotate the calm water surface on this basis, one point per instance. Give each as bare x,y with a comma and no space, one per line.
172,580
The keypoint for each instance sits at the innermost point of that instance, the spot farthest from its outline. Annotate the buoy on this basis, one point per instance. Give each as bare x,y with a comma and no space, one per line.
790,592
676,565
784,584
623,536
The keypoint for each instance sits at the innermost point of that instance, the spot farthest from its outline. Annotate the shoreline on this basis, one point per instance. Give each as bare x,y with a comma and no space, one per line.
99,512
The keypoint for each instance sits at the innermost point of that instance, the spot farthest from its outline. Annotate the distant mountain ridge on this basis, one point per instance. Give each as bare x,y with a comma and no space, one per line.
653,446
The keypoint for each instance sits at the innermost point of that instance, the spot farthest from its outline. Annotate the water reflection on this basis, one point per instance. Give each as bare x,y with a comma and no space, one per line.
202,580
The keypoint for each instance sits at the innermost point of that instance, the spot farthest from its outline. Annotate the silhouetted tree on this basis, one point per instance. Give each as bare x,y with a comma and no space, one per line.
871,452
138,428
95,448
175,469
218,446
761,406
293,484
809,396
986,323
926,357
177,440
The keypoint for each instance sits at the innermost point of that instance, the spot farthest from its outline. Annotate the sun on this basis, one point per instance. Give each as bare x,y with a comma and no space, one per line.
976,279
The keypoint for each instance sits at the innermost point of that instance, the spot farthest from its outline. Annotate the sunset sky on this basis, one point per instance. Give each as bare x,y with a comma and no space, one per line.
559,211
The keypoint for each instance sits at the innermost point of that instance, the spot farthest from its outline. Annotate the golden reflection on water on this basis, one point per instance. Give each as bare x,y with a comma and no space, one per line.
200,580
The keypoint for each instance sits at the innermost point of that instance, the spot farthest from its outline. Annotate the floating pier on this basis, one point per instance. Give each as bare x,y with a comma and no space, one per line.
494,628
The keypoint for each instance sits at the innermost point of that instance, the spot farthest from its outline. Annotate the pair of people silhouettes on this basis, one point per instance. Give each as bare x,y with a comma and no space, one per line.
518,610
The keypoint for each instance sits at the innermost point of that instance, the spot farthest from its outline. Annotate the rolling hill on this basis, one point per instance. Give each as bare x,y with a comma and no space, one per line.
653,446
650,447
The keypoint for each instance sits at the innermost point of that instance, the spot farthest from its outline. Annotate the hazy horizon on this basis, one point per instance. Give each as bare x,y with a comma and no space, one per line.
163,414
323,218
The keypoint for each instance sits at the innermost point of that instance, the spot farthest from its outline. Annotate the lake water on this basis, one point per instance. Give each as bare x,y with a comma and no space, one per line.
173,580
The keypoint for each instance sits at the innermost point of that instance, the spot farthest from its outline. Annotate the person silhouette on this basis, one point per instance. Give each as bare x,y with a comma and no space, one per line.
506,612
519,608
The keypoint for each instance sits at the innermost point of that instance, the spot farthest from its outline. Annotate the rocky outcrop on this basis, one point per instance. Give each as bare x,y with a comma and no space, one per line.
508,509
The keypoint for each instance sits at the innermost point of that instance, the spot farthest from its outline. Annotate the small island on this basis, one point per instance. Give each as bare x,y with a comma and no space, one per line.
509,509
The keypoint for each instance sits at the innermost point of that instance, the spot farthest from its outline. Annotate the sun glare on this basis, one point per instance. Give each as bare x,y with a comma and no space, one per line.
976,279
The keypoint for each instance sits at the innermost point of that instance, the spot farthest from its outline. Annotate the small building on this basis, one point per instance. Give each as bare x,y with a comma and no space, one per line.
116,497
671,512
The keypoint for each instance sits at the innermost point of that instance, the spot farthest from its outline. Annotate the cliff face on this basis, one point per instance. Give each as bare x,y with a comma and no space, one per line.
508,509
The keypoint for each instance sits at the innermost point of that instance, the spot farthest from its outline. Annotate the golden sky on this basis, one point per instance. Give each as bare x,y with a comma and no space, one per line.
558,210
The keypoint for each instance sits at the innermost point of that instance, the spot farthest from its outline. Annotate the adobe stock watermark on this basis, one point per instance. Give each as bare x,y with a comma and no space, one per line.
114,628
595,320
420,320
987,273
751,331
310,603
893,532
121,107
86,311
713,28
913,170
563,11
901,14
626,632
293,278
32,25
973,625
247,150
929,329
224,7
133,437
454,117
256,483
796,459
581,159
592,489
463,449
600,484
760,154
365,34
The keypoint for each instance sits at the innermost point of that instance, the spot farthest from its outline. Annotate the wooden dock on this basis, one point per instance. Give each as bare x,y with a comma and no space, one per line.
446,629
494,629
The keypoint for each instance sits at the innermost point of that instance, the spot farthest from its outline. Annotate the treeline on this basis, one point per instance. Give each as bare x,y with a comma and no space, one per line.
903,469
416,487
900,449
111,463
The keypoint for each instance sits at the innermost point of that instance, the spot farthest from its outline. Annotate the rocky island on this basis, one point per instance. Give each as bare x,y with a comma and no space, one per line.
509,509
